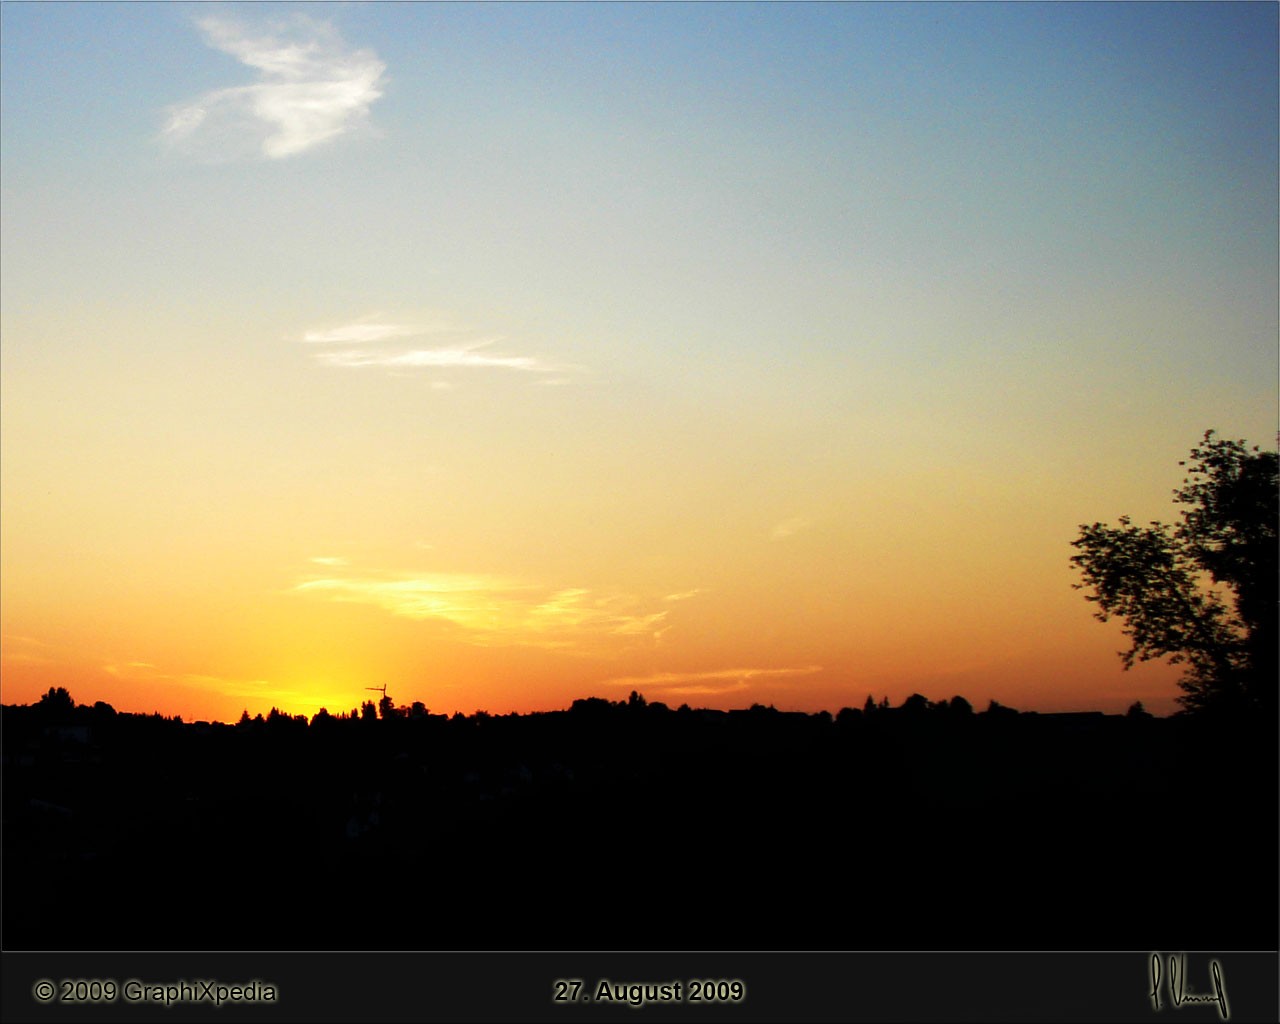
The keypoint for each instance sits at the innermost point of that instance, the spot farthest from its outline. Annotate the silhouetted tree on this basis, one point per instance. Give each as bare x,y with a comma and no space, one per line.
998,710
915,704
1136,710
368,711
1203,592
590,705
57,705
960,706
417,710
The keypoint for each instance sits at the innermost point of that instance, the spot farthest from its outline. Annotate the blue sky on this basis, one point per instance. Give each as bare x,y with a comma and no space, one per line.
826,313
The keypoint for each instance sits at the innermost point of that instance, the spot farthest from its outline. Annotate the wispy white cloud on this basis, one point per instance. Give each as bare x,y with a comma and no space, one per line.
311,88
329,560
457,348
434,358
724,680
495,610
361,332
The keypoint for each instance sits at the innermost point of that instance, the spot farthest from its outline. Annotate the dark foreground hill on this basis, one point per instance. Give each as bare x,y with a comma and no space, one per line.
633,826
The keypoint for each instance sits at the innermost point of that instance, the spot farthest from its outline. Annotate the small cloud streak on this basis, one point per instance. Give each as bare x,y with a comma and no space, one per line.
434,358
26,650
715,681
496,611
311,89
137,670
790,527
255,691
361,332
462,351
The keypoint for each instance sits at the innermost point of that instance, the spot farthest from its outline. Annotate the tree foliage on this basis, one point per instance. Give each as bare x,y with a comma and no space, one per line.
1201,592
57,704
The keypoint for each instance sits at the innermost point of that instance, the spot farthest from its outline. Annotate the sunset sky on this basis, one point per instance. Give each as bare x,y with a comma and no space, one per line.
510,354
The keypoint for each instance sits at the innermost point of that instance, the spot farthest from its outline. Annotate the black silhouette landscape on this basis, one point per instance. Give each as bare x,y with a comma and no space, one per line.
633,825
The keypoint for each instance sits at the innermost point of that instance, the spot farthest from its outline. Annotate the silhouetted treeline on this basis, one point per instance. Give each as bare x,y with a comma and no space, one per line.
628,823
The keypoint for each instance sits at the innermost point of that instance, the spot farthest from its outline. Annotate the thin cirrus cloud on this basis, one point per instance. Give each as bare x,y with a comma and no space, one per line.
494,610
433,358
25,649
790,527
685,595
714,681
369,343
311,88
361,332
146,672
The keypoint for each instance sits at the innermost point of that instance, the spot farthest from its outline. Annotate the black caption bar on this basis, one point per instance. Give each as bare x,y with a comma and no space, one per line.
582,987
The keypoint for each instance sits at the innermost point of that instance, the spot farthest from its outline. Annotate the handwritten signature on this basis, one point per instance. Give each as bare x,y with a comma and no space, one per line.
1178,981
